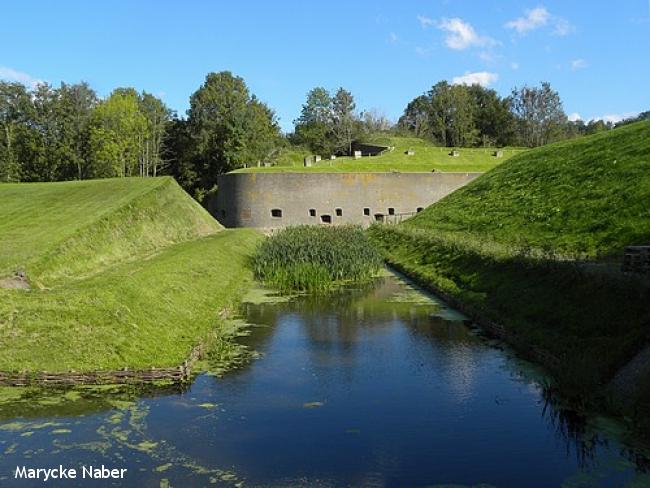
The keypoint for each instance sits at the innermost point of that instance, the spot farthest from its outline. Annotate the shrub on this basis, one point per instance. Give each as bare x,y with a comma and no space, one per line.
310,258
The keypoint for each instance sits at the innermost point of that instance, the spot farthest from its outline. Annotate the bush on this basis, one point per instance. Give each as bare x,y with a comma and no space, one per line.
310,258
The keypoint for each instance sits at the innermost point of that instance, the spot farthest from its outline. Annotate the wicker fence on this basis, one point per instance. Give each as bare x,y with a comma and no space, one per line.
180,374
636,259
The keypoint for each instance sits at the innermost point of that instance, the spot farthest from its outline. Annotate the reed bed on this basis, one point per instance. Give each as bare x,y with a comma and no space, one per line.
316,259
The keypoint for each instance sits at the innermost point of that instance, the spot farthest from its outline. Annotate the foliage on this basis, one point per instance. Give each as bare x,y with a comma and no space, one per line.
328,124
315,258
539,113
228,127
585,197
53,134
459,115
117,128
344,121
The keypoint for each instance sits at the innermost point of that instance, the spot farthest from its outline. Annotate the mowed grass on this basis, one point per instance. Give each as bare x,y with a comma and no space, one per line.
124,272
427,158
139,314
587,197
60,231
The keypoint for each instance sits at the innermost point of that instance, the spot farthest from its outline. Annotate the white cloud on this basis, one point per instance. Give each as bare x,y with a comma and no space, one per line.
614,118
422,51
537,18
486,56
461,35
578,64
562,27
10,74
425,21
483,78
575,116
533,19
392,38
514,65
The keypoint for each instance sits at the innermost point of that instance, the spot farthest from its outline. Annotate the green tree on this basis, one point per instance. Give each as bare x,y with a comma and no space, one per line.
345,123
178,152
540,116
75,106
228,127
263,132
15,110
117,132
451,115
313,128
493,119
157,116
416,117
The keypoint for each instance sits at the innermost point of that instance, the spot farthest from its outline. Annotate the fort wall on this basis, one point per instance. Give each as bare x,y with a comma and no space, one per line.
275,200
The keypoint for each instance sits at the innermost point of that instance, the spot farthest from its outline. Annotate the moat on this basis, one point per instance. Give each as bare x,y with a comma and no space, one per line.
377,386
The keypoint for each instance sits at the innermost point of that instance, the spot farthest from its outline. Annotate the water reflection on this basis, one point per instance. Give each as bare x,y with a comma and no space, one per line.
376,386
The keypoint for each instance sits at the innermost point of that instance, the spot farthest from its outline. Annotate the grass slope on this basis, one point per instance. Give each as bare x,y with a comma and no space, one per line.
129,273
570,197
59,231
138,314
589,196
427,158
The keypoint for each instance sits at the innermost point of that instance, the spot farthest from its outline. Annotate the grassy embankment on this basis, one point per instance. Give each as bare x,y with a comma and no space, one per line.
505,245
316,259
124,273
427,157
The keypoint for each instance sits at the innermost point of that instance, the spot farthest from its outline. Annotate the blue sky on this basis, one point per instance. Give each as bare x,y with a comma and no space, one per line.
595,53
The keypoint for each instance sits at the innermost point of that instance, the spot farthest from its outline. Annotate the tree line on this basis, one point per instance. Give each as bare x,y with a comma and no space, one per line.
60,133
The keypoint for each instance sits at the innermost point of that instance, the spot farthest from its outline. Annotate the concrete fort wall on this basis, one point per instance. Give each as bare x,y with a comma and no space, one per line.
274,200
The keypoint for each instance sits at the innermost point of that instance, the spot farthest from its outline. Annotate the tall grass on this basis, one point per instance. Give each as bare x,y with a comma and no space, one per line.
316,259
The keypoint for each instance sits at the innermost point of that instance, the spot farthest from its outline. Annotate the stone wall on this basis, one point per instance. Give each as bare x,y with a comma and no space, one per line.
274,200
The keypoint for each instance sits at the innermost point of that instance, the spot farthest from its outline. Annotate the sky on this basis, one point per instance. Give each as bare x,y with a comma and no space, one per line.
596,53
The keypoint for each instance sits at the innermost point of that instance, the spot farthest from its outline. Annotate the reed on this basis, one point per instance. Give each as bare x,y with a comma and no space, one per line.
316,259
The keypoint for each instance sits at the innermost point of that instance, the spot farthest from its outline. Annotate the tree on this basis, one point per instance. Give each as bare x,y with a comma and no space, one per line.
15,110
375,121
157,116
178,154
416,117
344,121
493,119
539,113
313,126
228,127
117,131
263,132
76,106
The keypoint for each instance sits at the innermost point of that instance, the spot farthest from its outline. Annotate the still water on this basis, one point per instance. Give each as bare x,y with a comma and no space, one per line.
381,386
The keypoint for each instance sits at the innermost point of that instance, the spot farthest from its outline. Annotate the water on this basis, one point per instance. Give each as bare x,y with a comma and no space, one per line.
383,386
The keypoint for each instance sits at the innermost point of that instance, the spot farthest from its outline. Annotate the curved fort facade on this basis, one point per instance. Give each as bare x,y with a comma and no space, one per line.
273,200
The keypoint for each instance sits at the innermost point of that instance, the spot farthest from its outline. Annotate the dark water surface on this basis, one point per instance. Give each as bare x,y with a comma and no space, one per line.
377,387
